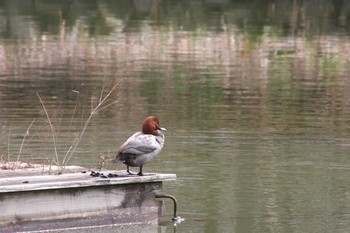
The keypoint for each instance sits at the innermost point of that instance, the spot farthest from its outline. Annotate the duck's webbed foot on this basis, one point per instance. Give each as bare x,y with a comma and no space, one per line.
127,169
140,172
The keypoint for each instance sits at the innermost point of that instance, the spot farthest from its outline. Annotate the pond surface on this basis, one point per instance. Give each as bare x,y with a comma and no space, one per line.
255,96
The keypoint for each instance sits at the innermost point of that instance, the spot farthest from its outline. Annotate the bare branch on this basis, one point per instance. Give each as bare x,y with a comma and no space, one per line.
99,107
51,126
24,138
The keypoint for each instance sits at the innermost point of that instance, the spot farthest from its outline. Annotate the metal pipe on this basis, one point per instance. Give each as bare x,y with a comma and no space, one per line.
161,195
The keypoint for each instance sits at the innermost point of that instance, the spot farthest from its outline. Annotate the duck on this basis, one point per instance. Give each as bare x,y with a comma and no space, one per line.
142,146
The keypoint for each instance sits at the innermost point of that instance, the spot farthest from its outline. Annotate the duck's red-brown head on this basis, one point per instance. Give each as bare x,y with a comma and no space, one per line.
151,125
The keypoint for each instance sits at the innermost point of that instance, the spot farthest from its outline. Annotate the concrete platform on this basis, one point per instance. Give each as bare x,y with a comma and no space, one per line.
30,201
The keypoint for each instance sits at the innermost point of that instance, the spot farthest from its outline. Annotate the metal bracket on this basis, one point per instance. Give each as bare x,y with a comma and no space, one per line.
160,195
